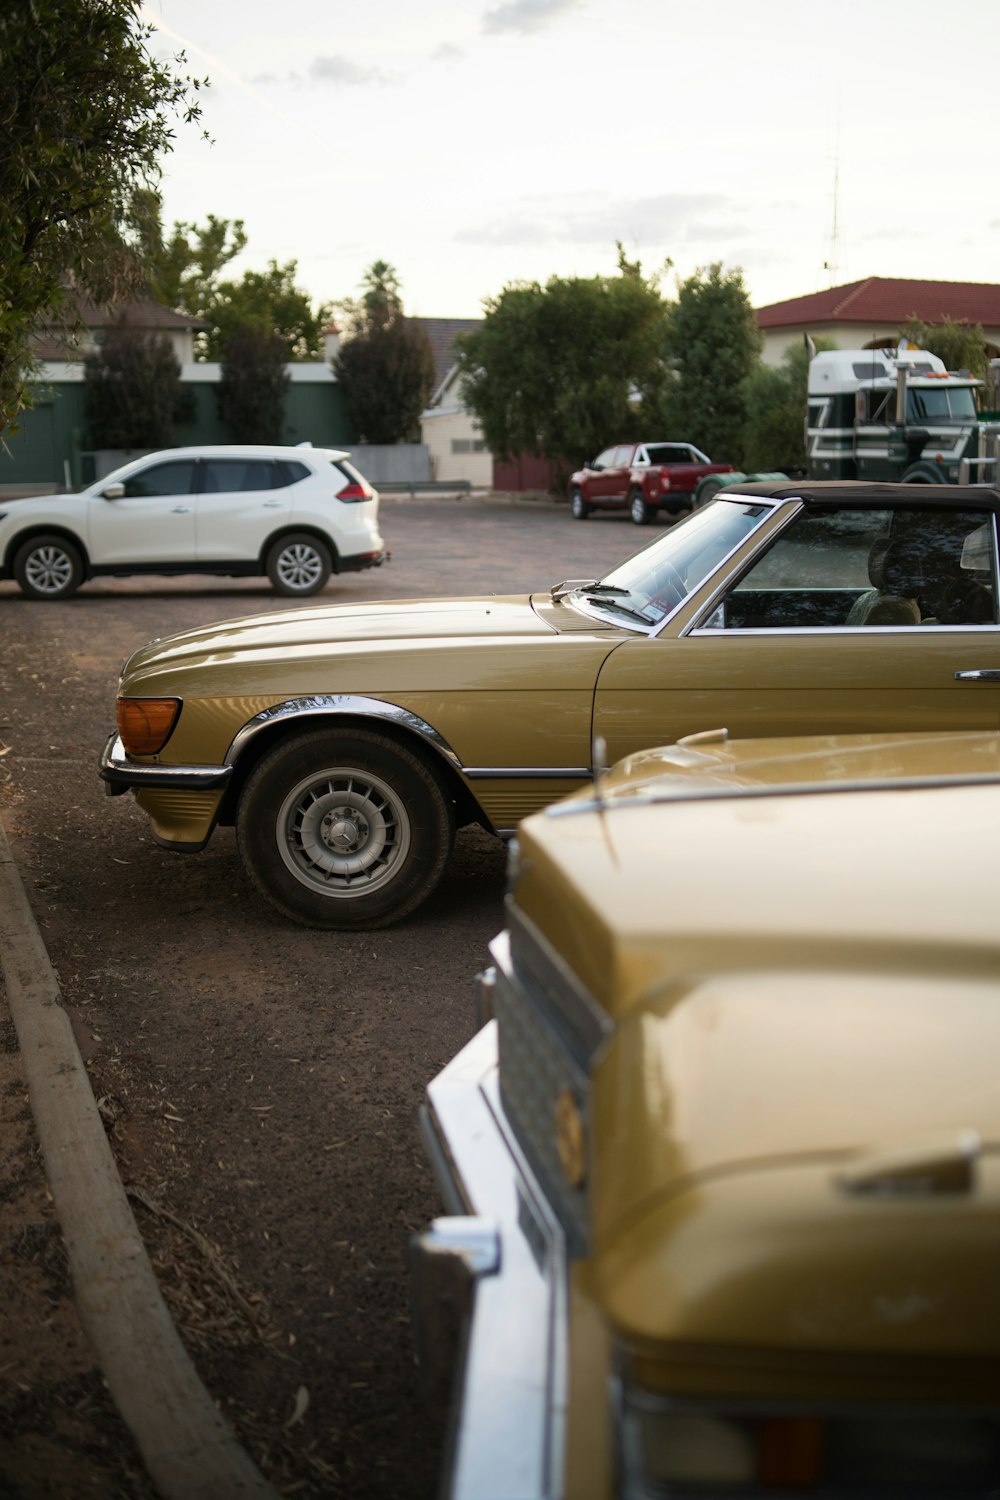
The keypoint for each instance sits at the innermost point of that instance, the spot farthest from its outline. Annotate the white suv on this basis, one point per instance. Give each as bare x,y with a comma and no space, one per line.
296,514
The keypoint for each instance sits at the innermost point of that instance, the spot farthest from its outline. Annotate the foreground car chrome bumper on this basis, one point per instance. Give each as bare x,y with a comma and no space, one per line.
120,774
507,1251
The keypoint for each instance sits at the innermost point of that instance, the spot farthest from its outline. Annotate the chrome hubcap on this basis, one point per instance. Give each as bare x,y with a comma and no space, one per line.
299,567
48,570
343,831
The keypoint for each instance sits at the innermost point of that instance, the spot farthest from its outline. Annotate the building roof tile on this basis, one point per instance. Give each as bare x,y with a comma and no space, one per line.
886,300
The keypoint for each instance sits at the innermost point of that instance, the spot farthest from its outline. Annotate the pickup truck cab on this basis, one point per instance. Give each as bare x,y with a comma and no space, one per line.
641,478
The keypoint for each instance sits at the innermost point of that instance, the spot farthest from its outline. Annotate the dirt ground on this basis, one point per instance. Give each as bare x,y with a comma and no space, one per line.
259,1083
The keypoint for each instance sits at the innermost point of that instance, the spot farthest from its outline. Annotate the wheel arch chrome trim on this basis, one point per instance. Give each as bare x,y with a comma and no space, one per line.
323,705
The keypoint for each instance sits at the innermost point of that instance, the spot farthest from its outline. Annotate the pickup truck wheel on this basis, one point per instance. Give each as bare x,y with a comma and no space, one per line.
344,829
298,565
638,509
48,567
579,509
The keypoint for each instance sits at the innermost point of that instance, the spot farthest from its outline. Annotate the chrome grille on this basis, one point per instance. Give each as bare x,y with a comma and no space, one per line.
549,1030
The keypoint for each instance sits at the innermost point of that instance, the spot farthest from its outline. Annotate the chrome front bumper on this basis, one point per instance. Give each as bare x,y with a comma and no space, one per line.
507,1250
120,774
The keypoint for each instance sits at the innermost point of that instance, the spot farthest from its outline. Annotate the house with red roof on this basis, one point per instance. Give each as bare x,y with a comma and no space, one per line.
870,314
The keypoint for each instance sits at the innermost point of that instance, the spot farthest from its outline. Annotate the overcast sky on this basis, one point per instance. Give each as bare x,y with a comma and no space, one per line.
480,142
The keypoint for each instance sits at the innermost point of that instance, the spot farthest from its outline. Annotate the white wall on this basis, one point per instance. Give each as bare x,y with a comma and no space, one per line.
440,428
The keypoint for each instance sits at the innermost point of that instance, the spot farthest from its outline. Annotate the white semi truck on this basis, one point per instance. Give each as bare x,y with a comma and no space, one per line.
889,414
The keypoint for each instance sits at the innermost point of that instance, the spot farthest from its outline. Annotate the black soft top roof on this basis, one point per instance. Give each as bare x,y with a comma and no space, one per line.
859,492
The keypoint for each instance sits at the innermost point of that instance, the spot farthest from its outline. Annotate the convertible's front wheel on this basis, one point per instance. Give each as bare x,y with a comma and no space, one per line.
344,828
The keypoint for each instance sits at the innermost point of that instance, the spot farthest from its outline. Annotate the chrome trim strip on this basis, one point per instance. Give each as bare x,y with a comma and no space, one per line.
509,1416
919,628
533,773
340,703
683,791
120,772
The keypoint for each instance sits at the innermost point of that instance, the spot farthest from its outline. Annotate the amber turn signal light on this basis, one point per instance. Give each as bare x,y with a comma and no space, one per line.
145,723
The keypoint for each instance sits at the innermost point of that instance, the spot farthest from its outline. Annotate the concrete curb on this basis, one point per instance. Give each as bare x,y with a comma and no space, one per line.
189,1451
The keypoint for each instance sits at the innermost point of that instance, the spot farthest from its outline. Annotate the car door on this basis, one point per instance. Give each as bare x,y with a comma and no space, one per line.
151,521
599,483
774,654
618,474
241,502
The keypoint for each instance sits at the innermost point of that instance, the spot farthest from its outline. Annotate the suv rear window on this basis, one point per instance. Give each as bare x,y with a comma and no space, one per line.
287,471
225,475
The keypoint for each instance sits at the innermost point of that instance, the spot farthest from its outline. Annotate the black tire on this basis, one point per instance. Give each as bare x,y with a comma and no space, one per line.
344,828
638,509
579,509
48,567
298,564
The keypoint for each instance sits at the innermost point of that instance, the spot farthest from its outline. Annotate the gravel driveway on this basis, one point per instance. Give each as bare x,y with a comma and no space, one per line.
259,1083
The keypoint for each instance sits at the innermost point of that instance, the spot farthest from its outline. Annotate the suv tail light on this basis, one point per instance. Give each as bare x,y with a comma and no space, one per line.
353,491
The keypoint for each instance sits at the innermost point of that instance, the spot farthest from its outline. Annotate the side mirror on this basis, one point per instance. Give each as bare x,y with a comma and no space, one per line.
113,491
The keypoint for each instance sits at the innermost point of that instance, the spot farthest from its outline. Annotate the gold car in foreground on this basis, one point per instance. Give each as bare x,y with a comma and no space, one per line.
723,1169
347,743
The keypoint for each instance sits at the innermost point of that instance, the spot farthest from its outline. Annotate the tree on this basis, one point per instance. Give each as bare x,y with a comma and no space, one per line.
775,404
252,385
85,115
133,387
560,371
962,346
713,344
386,363
270,302
183,268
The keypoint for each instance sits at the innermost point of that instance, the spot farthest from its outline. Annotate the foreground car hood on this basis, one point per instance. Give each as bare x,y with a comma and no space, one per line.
708,763
309,633
885,878
813,1161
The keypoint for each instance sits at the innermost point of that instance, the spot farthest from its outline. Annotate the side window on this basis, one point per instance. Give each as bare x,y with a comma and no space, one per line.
288,471
877,407
623,455
604,460
221,475
864,568
173,478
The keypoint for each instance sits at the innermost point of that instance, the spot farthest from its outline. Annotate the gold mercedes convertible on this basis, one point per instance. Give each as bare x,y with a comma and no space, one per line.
346,743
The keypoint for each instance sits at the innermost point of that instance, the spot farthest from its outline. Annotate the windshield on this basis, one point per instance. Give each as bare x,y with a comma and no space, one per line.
941,404
651,585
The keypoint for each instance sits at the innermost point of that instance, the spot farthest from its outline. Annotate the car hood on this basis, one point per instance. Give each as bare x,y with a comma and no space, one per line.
805,1159
811,878
44,500
307,634
710,763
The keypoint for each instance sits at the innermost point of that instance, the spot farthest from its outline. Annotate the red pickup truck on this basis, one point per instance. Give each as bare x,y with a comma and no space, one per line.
641,478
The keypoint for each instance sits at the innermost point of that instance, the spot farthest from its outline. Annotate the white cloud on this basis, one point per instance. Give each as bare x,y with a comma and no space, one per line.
664,220
343,70
526,15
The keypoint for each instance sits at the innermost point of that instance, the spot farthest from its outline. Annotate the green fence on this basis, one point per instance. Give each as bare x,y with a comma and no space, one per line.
53,449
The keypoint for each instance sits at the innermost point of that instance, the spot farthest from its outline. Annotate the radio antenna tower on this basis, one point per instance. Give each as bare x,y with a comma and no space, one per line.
832,263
